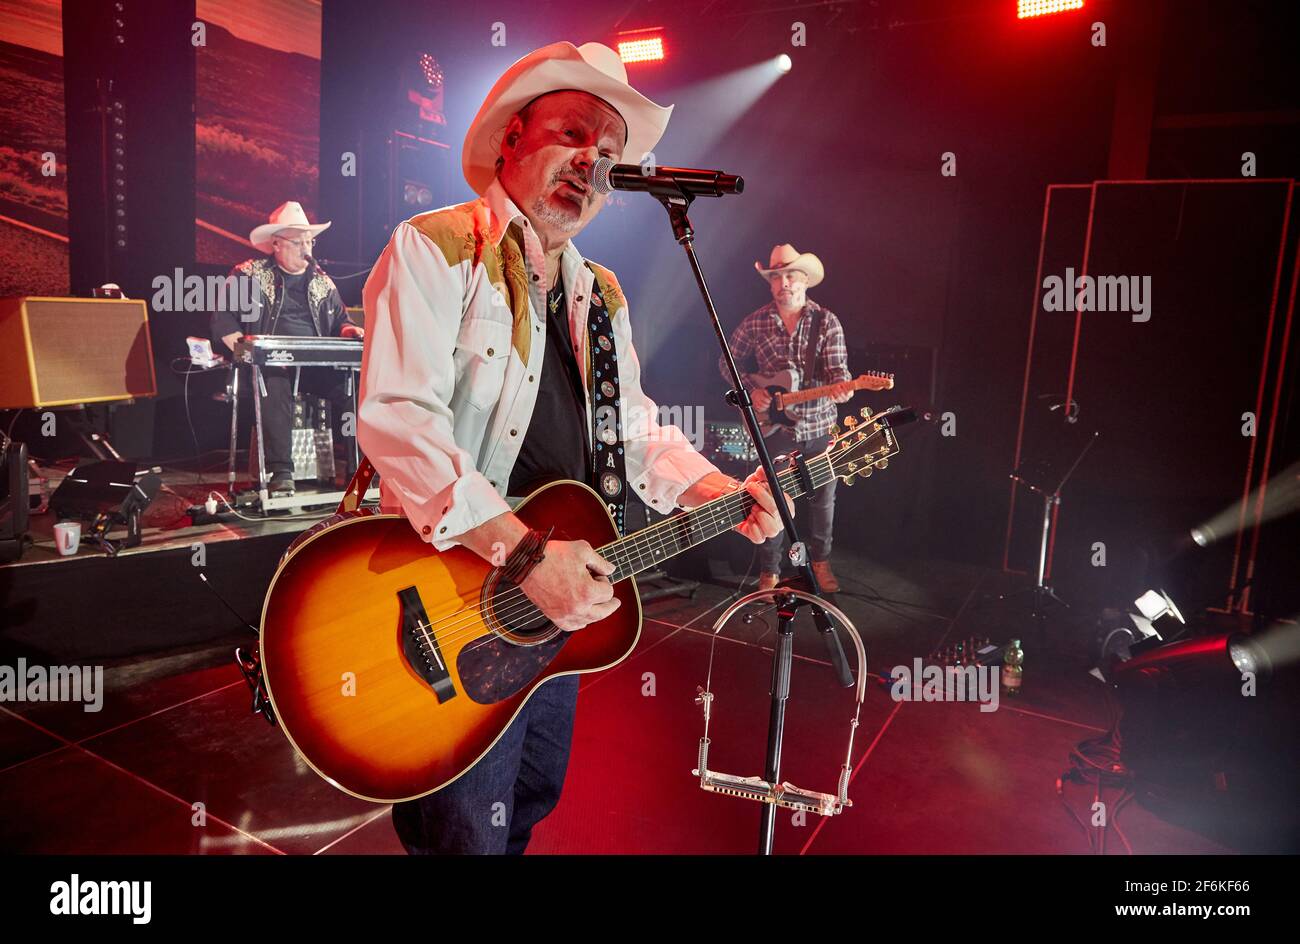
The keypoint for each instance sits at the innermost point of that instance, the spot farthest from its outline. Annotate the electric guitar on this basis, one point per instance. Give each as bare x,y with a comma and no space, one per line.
393,668
782,383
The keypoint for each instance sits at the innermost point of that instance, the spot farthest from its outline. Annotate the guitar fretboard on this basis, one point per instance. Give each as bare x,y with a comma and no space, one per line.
813,393
645,549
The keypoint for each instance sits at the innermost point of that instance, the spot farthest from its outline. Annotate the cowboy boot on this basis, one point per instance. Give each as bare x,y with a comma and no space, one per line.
825,578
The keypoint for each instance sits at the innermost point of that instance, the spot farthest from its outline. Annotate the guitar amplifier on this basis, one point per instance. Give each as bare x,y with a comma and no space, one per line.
64,351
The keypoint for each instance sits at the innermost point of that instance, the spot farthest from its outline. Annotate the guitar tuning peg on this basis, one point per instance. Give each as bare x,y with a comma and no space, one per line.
835,430
850,421
866,412
848,480
882,464
866,473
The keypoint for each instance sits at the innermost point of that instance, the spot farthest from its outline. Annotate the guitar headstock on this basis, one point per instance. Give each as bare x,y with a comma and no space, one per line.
863,446
875,380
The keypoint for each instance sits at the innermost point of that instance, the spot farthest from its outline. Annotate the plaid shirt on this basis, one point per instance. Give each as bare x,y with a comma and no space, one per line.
762,345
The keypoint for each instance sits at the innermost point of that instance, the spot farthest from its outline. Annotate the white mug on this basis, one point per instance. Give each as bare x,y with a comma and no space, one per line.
67,536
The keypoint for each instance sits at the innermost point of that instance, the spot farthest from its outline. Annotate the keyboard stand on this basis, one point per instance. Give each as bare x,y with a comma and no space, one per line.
259,390
232,394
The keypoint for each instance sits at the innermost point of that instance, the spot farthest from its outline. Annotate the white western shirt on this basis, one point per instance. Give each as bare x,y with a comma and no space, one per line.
455,340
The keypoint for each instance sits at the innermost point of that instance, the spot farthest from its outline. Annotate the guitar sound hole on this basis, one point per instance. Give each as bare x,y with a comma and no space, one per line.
514,617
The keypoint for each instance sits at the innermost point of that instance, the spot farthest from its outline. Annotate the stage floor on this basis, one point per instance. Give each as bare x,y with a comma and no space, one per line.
176,731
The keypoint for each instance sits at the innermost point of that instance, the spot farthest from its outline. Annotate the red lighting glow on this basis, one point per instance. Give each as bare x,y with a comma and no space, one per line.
1028,8
650,49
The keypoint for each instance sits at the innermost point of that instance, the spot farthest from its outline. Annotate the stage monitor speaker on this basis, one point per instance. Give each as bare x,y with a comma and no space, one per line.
95,488
64,351
419,179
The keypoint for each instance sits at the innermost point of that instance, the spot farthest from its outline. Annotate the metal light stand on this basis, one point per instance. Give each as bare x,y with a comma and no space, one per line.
1040,592
676,201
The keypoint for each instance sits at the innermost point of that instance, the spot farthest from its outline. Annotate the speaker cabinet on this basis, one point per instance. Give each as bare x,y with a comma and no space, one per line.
64,351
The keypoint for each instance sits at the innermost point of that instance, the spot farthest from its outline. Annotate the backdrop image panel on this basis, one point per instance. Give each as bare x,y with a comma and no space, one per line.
257,119
33,204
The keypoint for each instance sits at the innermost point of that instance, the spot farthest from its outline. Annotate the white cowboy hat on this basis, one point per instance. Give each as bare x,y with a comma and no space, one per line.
286,216
786,256
590,68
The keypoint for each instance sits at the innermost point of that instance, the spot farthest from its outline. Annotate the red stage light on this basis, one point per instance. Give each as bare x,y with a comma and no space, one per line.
1028,8
647,49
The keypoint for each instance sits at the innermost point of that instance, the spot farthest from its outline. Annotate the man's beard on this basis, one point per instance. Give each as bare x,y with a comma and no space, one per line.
558,218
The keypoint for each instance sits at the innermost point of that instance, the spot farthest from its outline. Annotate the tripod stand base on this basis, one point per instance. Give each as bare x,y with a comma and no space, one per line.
1038,594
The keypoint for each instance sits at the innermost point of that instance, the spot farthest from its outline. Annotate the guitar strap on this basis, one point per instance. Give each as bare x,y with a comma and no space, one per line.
351,500
810,350
608,469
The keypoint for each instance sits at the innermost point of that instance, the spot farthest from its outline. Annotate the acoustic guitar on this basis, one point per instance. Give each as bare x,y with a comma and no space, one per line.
393,668
782,383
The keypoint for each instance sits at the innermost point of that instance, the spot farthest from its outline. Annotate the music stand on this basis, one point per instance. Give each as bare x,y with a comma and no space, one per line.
1049,487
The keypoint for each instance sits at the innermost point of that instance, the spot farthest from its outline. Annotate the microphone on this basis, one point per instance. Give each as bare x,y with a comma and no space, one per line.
606,176
311,262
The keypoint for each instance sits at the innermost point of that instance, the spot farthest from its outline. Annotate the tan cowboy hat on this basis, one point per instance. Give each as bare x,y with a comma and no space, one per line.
590,68
286,216
786,256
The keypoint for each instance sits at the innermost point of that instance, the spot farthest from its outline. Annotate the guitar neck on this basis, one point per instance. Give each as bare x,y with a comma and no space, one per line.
812,393
649,547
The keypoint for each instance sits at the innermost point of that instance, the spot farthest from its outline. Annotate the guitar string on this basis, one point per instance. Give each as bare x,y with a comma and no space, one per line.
828,454
727,504
718,510
515,605
526,610
637,549
474,614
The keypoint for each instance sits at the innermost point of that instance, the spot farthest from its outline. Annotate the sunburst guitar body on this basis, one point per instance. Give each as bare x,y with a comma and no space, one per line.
393,668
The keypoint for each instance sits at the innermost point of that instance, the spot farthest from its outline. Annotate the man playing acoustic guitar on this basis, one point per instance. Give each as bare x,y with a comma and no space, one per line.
498,357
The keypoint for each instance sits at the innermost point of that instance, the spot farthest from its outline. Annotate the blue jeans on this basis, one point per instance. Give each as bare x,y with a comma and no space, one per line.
814,515
493,808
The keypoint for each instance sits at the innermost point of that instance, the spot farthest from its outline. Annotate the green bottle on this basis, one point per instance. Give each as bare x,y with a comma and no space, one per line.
1012,668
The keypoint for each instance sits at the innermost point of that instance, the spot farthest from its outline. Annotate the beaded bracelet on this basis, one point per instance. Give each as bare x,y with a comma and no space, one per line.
528,553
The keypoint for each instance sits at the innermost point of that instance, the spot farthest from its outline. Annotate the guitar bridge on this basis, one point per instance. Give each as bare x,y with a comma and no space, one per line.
420,645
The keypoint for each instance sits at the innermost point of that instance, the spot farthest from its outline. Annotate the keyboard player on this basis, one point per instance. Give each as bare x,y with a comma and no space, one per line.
295,298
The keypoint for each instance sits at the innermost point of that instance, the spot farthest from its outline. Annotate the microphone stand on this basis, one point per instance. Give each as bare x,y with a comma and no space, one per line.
676,200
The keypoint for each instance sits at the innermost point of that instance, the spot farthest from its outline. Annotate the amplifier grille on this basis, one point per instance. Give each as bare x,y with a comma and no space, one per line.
82,351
